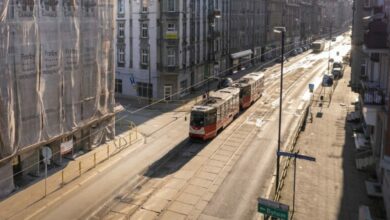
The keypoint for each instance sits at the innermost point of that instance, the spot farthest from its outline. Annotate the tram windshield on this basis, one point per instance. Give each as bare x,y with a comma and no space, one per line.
197,119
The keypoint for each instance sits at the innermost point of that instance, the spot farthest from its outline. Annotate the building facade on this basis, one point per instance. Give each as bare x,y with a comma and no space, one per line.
181,44
370,64
56,82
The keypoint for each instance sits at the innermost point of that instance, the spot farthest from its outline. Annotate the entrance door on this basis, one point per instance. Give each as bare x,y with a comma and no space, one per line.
168,92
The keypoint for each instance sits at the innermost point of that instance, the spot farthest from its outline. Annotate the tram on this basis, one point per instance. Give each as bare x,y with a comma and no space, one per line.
215,113
251,89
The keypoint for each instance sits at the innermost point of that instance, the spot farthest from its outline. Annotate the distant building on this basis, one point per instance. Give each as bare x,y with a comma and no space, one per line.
186,43
56,82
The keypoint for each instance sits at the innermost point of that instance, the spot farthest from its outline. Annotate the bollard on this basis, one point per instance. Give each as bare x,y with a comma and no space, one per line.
108,151
130,136
79,168
94,160
136,133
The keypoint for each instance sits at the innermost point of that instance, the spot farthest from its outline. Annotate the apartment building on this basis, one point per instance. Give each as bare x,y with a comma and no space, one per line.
300,17
179,44
370,78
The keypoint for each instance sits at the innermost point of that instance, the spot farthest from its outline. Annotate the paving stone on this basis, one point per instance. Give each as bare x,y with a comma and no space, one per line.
195,190
208,217
207,196
188,198
223,152
124,208
229,148
221,158
169,215
216,163
142,214
201,204
180,207
166,193
195,213
211,169
207,175
184,174
201,182
175,183
155,204
114,216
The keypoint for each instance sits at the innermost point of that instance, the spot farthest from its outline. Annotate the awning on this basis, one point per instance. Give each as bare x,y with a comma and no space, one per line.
241,54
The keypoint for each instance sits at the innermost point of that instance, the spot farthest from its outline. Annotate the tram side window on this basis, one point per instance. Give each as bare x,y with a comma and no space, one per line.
211,118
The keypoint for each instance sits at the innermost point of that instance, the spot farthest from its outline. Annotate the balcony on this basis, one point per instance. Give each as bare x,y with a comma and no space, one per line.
372,94
375,39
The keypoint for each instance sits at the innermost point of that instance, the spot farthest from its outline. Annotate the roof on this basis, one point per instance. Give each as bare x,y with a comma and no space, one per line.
254,76
216,99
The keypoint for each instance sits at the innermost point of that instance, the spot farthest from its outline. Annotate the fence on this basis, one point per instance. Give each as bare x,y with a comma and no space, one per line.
285,161
49,184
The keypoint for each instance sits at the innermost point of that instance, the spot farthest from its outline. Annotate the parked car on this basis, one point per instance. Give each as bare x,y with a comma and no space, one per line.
333,39
327,80
337,73
293,52
225,82
299,50
279,60
338,64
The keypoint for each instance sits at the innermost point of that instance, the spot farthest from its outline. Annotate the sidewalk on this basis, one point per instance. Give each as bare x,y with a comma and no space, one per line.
330,188
71,172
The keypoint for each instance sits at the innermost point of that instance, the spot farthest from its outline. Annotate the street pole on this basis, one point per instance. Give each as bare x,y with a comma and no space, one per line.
330,45
149,91
280,115
295,176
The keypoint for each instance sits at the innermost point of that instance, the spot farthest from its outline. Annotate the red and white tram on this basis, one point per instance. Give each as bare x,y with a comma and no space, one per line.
251,89
215,113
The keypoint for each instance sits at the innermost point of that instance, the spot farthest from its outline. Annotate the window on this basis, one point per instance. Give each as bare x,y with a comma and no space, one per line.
144,30
144,90
144,57
118,86
145,6
171,5
121,56
121,29
171,27
121,6
171,57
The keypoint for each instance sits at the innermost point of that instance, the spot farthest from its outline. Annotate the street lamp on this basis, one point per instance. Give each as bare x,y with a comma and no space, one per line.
282,31
216,14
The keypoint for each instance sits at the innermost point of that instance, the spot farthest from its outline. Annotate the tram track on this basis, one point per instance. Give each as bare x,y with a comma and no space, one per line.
233,138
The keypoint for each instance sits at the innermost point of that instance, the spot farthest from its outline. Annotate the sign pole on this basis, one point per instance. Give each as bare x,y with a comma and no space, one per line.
45,177
295,175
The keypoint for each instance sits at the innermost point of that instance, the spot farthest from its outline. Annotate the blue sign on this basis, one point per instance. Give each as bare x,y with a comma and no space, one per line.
295,155
311,87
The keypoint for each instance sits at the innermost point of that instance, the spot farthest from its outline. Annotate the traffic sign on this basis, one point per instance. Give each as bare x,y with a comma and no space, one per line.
272,208
295,155
311,87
